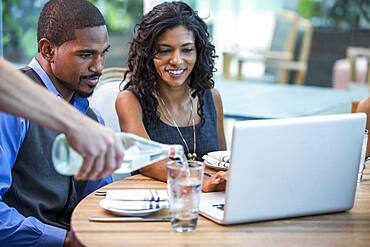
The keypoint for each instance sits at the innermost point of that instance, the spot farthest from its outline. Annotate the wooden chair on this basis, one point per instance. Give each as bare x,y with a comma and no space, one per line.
112,74
227,58
105,94
289,64
352,70
281,48
354,106
295,70
352,54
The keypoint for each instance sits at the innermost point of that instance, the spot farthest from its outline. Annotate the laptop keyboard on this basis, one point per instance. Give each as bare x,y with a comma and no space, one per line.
219,206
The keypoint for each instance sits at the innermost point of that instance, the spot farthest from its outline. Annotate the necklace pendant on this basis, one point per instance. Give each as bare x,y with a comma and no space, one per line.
192,156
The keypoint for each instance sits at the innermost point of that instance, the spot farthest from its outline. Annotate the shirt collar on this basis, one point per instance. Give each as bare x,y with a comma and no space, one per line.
82,104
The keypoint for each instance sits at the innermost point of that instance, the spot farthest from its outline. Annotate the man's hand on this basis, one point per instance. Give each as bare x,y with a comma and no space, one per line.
101,150
67,240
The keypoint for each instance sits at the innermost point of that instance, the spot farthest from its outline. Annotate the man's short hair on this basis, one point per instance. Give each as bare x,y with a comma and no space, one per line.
60,18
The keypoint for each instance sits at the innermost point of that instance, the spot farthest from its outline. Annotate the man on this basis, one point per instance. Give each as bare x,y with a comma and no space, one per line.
36,202
22,97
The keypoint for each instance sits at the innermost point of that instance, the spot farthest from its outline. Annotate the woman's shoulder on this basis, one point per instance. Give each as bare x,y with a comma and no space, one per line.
126,98
364,105
127,93
217,101
131,90
215,92
212,94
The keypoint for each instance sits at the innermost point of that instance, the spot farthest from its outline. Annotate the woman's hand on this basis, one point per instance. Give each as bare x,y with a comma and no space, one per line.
216,182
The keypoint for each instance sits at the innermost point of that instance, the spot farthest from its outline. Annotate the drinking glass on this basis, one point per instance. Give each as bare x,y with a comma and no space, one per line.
184,184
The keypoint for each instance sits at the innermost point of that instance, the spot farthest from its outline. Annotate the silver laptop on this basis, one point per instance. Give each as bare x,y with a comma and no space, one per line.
289,167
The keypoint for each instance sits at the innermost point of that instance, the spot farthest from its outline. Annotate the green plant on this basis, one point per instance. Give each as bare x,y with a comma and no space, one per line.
308,8
20,23
348,13
343,14
120,15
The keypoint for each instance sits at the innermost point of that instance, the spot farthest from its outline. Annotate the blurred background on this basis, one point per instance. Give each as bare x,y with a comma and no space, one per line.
253,38
276,58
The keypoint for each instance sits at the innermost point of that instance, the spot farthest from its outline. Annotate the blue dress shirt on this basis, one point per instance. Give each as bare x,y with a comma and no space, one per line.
16,229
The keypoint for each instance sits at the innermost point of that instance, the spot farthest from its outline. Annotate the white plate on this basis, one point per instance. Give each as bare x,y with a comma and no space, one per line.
217,160
106,204
214,167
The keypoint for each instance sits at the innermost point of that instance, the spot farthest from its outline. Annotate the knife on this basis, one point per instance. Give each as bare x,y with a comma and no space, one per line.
129,219
100,193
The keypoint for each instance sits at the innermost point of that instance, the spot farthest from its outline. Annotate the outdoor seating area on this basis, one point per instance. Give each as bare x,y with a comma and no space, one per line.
286,60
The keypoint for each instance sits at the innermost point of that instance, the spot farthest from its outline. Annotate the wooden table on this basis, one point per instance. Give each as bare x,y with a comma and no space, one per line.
350,228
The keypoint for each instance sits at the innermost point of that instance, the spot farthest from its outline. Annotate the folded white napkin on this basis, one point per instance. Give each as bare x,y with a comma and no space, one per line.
220,159
136,199
151,195
135,205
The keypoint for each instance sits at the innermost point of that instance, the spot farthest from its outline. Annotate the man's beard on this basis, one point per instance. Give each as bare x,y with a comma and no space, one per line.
84,94
78,92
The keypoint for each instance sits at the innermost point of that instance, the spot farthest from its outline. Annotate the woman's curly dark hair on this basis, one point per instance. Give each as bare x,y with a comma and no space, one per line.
142,72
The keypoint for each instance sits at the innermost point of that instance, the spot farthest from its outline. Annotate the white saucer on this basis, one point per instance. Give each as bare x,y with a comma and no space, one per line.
106,204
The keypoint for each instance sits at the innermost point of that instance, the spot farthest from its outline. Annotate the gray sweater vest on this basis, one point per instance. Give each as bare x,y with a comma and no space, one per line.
37,189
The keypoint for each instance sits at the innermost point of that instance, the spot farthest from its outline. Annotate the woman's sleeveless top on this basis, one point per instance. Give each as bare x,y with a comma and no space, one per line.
206,133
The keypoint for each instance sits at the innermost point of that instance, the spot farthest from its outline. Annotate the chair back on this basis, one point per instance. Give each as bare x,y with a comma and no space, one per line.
105,94
287,59
356,57
285,31
301,51
284,36
354,106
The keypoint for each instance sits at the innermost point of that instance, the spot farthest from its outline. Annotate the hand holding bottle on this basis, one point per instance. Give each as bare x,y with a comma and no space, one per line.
101,151
139,152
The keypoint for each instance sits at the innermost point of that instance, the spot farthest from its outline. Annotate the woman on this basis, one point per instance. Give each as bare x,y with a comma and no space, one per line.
170,96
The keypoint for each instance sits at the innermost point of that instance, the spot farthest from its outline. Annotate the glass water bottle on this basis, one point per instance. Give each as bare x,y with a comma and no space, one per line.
138,152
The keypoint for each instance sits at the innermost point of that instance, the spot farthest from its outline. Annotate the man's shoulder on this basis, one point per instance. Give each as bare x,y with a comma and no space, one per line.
31,73
26,69
95,114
